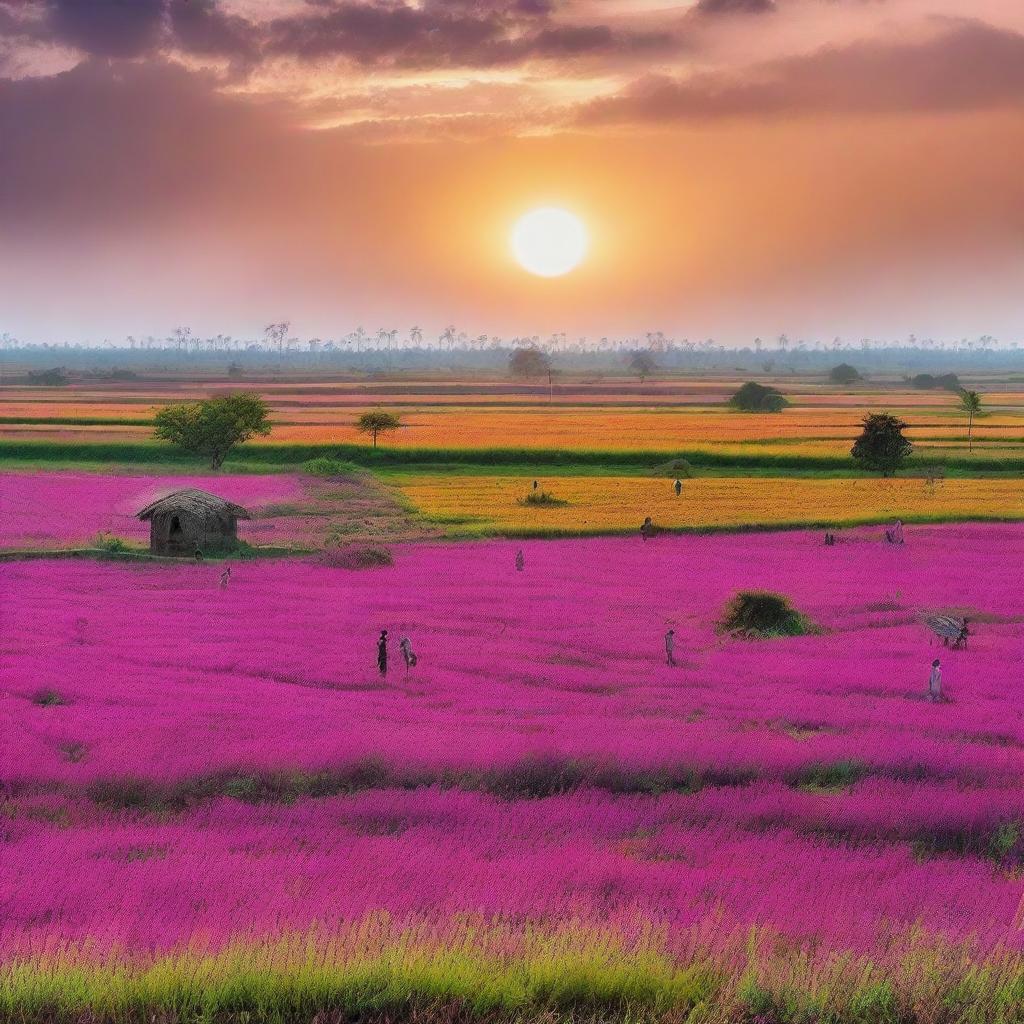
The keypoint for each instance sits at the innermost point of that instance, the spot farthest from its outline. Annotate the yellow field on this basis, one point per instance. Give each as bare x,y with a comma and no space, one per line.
800,430
598,504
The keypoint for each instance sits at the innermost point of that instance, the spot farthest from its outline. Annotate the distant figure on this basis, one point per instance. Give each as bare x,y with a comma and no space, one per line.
894,535
382,653
647,530
830,539
225,578
679,487
199,554
670,647
520,560
535,485
935,681
961,639
407,654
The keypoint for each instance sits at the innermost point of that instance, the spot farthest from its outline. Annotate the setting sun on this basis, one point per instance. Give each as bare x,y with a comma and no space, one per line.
549,241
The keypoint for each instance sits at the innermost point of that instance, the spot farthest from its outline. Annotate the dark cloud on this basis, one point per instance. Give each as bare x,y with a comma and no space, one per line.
202,27
970,65
453,33
107,28
713,7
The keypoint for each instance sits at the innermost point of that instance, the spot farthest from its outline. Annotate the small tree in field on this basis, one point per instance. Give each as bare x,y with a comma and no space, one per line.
970,402
844,373
213,427
881,446
375,423
529,362
754,397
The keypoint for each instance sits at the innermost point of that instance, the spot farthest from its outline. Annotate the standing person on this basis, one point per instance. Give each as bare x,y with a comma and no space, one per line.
225,578
407,654
520,560
382,653
670,647
935,681
679,487
897,532
647,529
535,485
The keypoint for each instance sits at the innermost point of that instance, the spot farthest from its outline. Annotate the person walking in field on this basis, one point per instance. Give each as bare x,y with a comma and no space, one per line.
670,647
935,681
408,656
225,578
520,560
679,487
382,653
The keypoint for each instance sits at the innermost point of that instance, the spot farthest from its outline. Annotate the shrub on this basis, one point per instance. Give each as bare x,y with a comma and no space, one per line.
108,542
881,445
759,614
542,498
528,362
48,698
678,469
326,466
357,557
754,397
844,373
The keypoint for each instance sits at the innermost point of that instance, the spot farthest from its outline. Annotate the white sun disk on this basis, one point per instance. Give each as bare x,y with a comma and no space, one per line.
549,241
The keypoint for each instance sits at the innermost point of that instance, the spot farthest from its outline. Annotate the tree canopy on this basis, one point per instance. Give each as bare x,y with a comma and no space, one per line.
881,446
970,402
529,362
375,423
931,381
754,397
213,427
844,373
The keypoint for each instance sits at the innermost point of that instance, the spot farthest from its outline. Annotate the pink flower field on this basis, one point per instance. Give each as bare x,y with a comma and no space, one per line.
56,509
203,787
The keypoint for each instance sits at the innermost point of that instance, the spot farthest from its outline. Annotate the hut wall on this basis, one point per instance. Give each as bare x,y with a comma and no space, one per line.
179,533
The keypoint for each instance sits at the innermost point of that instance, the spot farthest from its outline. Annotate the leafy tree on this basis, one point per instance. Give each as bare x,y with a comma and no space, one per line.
928,381
375,423
881,446
844,373
754,397
529,362
970,402
642,364
55,378
213,427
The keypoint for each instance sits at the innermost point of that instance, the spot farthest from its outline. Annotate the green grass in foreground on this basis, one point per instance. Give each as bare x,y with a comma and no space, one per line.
578,975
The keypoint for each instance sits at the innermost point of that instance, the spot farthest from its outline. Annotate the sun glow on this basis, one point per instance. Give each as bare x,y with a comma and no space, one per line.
549,241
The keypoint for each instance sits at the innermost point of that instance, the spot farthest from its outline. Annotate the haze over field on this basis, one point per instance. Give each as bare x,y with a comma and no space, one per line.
743,167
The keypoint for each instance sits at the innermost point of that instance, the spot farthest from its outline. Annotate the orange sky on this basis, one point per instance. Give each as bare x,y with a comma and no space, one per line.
745,167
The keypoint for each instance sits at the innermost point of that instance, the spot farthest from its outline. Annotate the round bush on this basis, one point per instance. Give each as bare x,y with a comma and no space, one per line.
357,557
760,613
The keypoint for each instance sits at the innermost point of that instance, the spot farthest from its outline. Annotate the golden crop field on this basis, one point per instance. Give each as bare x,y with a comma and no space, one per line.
609,503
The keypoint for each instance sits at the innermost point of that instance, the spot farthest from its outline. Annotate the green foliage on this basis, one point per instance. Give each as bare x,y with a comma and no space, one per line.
213,427
930,382
48,698
970,402
761,614
324,465
881,446
529,362
844,373
830,777
55,378
642,363
754,397
543,499
375,423
108,542
677,469
1004,841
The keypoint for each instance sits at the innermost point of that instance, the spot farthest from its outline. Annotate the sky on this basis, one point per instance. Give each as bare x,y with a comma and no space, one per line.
744,168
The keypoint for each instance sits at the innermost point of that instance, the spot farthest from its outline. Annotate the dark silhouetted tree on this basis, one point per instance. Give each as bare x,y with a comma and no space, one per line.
754,397
881,446
375,423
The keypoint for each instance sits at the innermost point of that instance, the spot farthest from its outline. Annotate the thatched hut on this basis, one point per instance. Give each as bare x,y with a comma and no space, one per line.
191,519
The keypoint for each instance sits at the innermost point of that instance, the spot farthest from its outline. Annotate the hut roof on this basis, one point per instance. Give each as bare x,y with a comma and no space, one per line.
195,501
